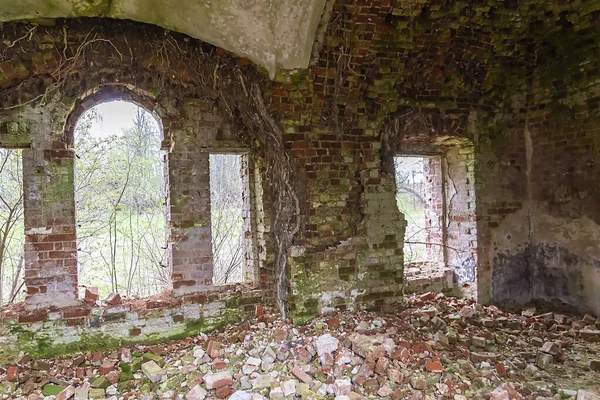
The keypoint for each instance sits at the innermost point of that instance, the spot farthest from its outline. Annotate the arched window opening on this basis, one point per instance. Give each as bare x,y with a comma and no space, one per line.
12,236
121,196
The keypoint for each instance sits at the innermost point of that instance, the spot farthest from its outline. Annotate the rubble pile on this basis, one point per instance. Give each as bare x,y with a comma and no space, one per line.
436,348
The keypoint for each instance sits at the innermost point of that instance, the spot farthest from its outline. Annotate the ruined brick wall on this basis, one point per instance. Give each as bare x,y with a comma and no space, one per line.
202,132
50,250
543,156
434,208
39,115
472,74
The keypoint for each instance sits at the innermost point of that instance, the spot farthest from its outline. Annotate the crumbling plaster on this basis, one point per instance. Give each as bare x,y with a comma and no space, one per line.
274,34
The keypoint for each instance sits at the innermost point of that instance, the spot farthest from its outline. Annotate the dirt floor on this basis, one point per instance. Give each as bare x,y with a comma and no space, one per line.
436,348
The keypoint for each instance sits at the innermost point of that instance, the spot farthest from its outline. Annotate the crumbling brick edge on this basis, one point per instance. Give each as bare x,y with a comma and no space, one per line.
50,332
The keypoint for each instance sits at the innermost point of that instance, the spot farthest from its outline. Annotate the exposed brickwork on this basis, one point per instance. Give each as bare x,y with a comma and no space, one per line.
87,328
49,206
507,92
434,208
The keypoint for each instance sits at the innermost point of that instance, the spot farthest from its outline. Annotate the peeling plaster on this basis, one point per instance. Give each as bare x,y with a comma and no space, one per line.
555,259
274,34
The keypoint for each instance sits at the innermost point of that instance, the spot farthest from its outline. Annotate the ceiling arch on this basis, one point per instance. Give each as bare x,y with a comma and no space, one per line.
272,33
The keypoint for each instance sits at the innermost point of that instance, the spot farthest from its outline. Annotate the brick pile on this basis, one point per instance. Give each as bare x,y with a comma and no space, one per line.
437,347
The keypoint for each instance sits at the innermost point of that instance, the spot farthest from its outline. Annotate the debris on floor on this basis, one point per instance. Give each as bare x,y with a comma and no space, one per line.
436,348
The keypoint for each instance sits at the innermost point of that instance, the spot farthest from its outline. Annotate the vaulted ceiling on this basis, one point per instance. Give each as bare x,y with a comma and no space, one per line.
272,33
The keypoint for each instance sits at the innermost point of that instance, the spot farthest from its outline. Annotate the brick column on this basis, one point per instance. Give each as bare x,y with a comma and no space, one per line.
434,209
190,216
50,236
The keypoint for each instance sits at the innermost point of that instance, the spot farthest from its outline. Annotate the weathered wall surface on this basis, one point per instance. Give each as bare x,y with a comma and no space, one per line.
488,82
43,332
40,117
272,34
545,232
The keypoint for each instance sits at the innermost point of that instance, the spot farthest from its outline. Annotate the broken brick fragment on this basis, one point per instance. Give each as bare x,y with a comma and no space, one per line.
434,366
90,295
113,299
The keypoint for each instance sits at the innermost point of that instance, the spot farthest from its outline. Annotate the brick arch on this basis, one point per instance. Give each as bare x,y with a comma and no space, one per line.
115,92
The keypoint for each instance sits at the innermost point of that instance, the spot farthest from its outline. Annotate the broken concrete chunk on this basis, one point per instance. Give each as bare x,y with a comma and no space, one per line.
326,344
585,395
82,393
242,395
97,394
543,360
153,371
342,386
467,312
478,341
550,348
261,382
288,387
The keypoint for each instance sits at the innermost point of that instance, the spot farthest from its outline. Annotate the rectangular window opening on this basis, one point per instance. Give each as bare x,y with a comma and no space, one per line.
420,197
230,218
12,236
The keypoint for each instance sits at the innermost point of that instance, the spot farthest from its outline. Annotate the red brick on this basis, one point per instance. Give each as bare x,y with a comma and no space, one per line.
34,316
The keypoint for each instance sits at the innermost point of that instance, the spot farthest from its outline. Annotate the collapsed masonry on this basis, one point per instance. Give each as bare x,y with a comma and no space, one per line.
506,94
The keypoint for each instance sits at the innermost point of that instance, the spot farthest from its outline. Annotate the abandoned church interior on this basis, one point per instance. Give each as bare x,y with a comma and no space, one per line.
316,199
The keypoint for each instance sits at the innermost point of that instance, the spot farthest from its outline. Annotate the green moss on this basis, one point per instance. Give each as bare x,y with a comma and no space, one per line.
52,390
297,79
45,346
302,319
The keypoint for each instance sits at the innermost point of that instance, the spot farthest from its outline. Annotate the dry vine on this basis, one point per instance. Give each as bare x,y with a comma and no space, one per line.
237,90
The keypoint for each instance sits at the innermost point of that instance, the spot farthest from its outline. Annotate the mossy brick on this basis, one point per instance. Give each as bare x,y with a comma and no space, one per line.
100,383
52,390
153,357
97,393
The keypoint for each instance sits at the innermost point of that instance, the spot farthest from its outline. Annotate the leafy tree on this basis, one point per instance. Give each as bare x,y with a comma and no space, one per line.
409,198
227,208
120,197
11,226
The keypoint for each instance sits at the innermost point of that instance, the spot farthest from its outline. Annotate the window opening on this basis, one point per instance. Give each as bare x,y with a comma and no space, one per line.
120,194
419,196
12,235
228,212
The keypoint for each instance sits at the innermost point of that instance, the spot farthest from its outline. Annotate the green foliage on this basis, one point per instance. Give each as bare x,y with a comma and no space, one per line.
227,212
11,226
410,180
120,202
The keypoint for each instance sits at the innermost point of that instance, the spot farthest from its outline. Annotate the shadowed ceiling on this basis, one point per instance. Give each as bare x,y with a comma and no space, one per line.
272,33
